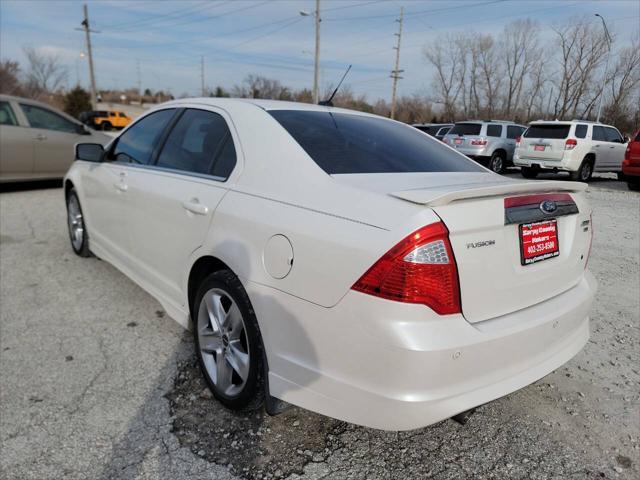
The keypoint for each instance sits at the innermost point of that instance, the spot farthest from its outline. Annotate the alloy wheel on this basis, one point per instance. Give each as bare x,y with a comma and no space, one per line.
76,223
222,339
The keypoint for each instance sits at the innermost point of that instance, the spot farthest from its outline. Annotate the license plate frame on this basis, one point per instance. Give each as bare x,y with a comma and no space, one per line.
542,242
457,141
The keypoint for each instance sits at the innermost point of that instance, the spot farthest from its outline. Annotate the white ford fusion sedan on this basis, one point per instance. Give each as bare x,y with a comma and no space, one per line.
336,260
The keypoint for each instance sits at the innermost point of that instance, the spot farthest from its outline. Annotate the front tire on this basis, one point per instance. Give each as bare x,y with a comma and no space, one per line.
77,229
496,164
583,174
634,186
227,341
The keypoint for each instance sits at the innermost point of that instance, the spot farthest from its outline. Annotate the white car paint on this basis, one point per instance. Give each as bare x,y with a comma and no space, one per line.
607,155
331,349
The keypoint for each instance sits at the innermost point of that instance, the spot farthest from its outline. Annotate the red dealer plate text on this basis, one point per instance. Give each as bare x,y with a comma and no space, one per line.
538,241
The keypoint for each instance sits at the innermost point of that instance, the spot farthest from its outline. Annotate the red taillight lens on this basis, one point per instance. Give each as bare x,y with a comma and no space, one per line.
570,144
419,269
479,141
518,141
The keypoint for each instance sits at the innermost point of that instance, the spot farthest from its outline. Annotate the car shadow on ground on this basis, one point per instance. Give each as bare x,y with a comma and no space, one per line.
31,185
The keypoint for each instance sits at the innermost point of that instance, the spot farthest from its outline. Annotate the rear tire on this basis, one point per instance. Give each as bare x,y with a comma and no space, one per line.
228,342
621,176
106,126
496,164
529,172
77,229
583,174
633,186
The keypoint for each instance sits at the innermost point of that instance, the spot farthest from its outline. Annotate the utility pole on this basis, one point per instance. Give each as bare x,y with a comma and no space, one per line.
395,73
606,66
87,30
139,81
316,68
202,75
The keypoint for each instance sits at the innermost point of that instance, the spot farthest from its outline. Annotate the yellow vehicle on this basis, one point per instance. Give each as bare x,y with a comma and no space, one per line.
106,120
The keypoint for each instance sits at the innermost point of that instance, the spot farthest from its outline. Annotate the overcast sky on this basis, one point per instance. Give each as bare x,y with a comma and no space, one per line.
271,38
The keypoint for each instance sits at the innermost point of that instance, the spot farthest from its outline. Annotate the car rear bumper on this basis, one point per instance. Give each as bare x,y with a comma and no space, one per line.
543,163
631,170
396,366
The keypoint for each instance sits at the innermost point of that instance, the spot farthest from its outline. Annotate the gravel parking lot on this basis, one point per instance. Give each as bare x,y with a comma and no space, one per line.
96,382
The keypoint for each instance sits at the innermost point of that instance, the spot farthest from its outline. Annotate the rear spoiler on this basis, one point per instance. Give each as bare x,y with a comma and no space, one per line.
442,195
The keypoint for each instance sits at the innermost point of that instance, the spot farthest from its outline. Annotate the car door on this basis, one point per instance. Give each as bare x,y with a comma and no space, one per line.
175,199
513,132
16,145
600,147
108,203
55,137
617,148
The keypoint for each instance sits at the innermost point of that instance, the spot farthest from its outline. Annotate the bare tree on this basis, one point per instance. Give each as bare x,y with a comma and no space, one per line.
46,73
447,82
582,49
520,52
624,86
9,78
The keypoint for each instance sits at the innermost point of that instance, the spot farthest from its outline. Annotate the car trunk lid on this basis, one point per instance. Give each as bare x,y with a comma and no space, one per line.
544,142
485,222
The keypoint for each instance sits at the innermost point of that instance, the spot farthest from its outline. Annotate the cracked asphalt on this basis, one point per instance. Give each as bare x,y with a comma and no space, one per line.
97,382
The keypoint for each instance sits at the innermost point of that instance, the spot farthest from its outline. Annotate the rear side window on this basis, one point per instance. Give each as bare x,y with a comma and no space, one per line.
466,129
7,117
494,130
613,135
39,117
137,143
514,131
351,143
548,131
122,115
197,142
598,134
581,130
443,131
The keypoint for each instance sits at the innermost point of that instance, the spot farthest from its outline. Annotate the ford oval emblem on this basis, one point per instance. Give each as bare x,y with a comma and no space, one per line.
548,206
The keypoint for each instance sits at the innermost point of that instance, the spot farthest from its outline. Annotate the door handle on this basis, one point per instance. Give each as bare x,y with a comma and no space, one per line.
41,137
194,206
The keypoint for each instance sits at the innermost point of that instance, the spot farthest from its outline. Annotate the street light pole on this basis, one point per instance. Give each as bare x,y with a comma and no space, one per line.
606,66
87,30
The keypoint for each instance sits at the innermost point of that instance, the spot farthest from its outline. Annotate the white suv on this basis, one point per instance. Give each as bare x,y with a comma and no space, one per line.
576,146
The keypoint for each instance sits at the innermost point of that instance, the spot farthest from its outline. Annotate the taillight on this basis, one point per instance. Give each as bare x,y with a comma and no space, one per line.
478,141
518,141
570,144
419,269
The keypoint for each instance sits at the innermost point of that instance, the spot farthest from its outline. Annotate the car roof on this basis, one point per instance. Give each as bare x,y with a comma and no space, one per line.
264,104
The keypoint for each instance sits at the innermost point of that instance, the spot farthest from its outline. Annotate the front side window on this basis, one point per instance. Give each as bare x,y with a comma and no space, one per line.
581,130
137,143
494,130
197,143
39,117
613,135
599,134
351,143
7,117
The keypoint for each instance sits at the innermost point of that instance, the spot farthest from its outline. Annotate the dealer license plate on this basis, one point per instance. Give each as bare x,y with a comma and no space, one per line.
538,241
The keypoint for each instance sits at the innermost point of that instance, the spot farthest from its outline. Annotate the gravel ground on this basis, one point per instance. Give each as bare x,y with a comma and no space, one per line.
96,382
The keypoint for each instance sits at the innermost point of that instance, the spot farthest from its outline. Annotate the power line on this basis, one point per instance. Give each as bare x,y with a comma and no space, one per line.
160,17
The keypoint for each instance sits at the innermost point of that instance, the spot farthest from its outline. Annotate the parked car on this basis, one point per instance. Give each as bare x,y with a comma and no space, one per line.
631,163
489,142
37,141
336,259
437,130
105,120
576,146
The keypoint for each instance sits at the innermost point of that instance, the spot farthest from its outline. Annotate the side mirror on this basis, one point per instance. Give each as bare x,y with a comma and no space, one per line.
82,129
89,152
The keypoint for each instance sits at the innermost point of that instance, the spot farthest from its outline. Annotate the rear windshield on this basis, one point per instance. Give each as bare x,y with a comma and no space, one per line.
466,129
346,143
547,131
